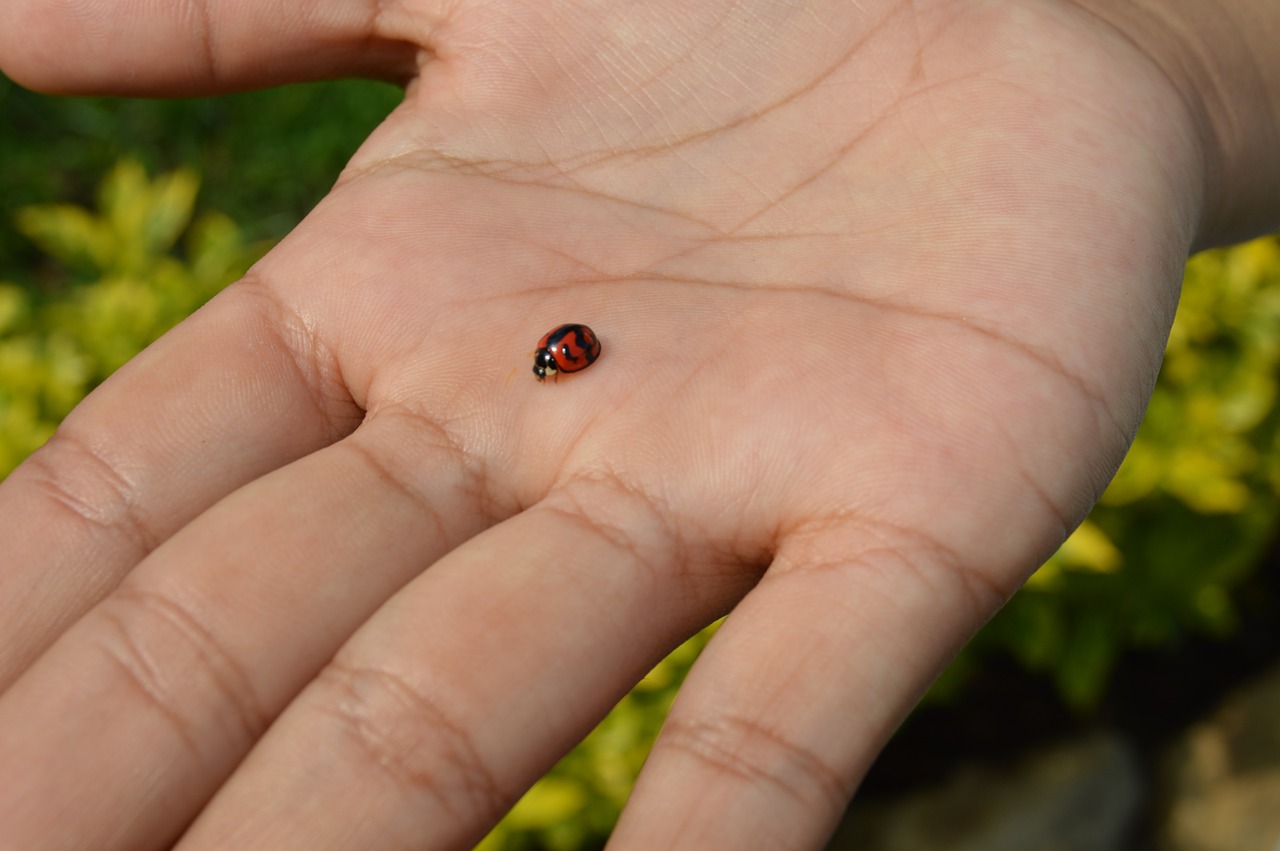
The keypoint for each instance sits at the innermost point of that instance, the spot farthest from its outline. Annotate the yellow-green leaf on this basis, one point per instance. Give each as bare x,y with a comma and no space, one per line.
69,234
1090,549
550,801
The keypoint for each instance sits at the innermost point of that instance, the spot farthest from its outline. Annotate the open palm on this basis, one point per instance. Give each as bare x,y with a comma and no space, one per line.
881,287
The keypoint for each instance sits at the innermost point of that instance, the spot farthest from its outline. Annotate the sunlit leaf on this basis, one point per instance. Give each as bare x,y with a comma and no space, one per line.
550,801
1089,548
128,291
70,235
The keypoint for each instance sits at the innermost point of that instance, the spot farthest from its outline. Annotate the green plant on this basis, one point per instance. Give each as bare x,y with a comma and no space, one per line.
1187,516
265,157
577,803
124,286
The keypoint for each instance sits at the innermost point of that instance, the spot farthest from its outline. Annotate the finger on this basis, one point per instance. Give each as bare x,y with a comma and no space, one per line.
237,390
126,726
471,682
135,48
799,690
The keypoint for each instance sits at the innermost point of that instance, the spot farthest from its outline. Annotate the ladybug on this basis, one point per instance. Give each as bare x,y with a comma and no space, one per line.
569,348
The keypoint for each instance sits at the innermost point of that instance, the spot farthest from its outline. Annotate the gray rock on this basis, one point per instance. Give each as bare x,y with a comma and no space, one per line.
1220,787
1081,796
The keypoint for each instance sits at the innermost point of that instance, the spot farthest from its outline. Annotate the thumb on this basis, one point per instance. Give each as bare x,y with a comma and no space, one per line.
130,47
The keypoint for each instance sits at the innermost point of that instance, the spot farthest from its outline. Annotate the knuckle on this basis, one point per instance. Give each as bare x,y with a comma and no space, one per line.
412,443
90,488
603,506
304,349
712,566
879,555
739,747
176,666
413,738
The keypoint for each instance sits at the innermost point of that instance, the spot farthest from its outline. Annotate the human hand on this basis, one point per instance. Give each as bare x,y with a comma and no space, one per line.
882,289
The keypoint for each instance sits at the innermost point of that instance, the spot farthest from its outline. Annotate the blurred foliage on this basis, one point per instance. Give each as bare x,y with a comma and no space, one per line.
125,284
1192,508
92,282
576,804
265,158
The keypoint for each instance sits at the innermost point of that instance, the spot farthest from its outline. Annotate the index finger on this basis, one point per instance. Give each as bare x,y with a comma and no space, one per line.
227,396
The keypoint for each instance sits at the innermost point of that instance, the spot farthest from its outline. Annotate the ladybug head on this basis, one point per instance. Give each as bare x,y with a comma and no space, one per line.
543,365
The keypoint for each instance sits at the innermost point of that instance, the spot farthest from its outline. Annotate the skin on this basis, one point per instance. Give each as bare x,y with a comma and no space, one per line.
882,286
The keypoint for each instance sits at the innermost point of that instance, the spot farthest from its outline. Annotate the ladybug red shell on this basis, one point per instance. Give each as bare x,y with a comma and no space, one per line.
568,348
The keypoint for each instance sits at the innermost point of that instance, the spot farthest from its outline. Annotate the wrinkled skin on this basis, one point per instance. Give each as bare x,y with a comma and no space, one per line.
882,288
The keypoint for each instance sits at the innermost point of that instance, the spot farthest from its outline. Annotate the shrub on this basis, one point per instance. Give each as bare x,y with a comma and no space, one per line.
1194,504
265,157
124,286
